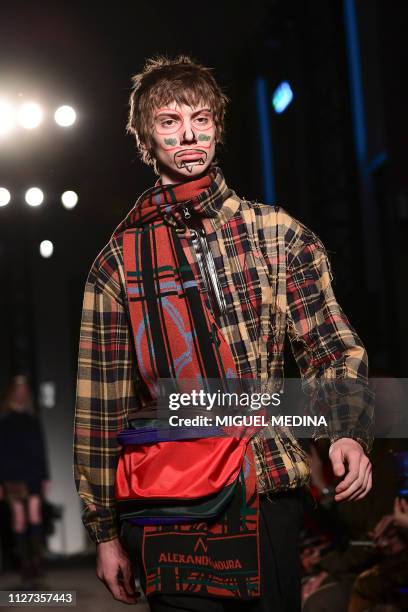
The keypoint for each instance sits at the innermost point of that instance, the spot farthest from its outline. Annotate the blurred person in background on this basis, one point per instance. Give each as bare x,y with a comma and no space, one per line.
366,562
23,475
386,581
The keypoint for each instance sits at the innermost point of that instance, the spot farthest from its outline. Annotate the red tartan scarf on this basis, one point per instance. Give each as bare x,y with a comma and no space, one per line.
177,337
203,197
163,200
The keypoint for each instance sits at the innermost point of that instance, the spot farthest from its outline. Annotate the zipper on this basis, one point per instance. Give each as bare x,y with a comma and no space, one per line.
208,271
206,265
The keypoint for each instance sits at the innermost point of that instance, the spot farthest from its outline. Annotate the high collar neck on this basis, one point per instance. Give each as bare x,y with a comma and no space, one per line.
187,190
202,197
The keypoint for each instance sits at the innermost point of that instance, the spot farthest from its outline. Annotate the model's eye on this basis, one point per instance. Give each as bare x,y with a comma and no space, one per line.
203,120
168,123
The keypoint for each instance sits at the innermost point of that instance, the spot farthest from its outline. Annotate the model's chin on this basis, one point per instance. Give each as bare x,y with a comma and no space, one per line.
181,172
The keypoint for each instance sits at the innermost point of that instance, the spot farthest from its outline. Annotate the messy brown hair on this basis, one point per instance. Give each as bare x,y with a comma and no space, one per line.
163,81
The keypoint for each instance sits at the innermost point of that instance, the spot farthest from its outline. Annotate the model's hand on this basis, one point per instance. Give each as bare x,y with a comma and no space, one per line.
350,462
114,569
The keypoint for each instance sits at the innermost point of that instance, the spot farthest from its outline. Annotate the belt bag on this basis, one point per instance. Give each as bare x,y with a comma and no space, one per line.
174,481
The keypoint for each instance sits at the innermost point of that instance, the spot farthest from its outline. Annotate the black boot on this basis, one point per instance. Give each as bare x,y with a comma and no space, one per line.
22,552
36,551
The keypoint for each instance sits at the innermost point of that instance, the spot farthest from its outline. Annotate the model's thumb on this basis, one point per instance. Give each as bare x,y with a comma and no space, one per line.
337,462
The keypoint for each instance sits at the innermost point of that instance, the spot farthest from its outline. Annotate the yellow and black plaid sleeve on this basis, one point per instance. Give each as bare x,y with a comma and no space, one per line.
326,346
105,394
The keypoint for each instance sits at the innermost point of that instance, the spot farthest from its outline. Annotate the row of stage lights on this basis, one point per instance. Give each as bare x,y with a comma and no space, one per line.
35,197
30,115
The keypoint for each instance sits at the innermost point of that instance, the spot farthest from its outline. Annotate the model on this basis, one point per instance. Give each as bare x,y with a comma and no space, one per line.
198,283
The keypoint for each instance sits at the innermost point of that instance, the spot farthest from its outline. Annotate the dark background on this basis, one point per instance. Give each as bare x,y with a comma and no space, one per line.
337,163
337,166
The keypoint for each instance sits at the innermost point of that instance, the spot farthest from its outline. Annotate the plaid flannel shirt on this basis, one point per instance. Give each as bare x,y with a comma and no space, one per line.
276,267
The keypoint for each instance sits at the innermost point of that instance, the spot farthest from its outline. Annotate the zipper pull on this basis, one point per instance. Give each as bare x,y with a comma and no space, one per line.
186,212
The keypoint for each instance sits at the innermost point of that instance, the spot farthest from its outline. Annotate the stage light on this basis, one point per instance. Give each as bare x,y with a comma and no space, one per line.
4,196
282,97
65,116
30,115
7,117
34,196
46,248
69,199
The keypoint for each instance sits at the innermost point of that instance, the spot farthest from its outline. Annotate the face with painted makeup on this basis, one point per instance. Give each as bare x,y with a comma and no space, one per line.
183,141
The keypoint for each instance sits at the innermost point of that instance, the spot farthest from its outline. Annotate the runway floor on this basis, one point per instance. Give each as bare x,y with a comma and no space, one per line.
73,575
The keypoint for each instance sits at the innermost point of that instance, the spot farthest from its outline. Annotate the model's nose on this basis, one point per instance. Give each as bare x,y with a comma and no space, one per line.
188,135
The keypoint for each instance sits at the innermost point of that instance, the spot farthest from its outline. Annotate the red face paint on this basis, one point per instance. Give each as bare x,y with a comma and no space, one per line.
184,139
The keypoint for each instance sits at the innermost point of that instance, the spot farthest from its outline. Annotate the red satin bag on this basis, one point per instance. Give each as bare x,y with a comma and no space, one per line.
181,469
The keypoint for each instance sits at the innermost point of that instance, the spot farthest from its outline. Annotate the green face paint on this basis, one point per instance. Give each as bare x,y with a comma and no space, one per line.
170,141
204,137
